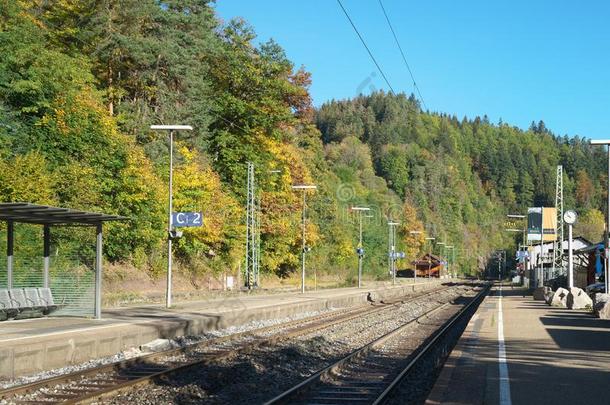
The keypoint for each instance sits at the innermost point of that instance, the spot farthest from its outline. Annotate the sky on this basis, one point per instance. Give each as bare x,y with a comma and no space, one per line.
519,61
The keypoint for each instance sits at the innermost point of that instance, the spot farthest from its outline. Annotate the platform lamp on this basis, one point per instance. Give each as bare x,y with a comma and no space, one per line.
171,232
392,251
431,239
607,241
360,249
304,247
452,248
415,271
441,251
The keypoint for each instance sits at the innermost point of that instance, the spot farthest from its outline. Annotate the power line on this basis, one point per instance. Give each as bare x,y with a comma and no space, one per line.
403,55
366,46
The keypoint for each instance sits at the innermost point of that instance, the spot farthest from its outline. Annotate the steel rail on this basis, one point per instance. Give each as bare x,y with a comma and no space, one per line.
385,395
149,371
329,372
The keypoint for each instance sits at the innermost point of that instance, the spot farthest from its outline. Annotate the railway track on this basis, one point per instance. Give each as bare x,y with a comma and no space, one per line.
108,380
371,374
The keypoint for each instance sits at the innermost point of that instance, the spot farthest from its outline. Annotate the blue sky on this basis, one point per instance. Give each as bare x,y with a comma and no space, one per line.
515,60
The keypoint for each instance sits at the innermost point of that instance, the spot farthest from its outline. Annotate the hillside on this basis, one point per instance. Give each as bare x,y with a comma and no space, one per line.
82,81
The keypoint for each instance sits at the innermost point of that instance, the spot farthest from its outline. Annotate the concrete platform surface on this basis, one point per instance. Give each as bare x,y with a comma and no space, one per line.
31,345
519,351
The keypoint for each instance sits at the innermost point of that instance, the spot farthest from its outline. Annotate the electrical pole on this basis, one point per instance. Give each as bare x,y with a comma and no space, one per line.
251,238
558,246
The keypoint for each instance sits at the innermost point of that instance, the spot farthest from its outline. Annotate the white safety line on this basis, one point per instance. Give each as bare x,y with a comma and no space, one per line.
503,367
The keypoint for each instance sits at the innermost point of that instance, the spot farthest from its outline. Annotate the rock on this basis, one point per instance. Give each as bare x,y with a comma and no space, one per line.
158,345
578,299
559,298
131,352
540,293
601,305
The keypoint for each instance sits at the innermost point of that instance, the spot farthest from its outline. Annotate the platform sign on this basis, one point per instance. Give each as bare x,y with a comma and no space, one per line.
187,219
541,224
522,255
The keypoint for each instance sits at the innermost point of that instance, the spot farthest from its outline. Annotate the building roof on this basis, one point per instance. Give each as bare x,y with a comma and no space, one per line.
47,215
423,261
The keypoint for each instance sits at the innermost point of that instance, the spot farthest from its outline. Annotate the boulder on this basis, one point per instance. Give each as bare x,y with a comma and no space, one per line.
539,293
601,305
559,298
578,299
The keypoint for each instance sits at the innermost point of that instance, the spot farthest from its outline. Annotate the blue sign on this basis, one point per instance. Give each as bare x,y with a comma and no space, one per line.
184,219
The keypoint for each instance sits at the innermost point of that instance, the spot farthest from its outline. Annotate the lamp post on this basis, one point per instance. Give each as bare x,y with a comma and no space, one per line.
452,259
415,271
303,188
360,250
430,255
392,250
441,252
170,227
607,272
524,240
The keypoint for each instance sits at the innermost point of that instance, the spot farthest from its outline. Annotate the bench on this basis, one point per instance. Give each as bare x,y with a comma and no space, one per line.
20,303
7,308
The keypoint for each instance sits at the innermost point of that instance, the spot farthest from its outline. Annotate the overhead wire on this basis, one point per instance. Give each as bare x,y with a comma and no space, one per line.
366,47
404,58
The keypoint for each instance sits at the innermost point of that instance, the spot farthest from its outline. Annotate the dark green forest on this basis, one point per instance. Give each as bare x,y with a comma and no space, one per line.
81,81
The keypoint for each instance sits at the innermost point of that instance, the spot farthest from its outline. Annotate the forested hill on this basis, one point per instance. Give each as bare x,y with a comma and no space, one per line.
462,173
81,81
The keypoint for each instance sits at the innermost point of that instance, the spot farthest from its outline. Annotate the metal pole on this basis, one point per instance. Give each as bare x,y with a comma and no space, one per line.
360,254
46,253
303,248
10,243
607,272
540,275
414,270
570,258
98,272
394,253
390,258
247,274
168,292
453,262
447,260
429,260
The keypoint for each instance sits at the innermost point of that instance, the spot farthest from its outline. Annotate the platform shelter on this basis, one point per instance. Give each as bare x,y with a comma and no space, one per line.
49,217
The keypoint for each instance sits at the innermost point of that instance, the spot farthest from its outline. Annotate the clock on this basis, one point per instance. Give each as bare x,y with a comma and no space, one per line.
569,217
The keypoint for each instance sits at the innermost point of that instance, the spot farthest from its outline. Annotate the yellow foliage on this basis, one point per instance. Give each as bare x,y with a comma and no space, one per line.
26,178
410,223
198,188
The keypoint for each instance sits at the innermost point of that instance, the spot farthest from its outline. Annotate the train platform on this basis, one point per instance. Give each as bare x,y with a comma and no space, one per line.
33,345
519,351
